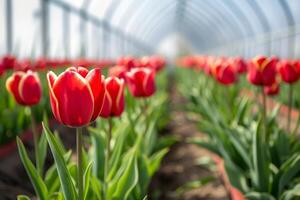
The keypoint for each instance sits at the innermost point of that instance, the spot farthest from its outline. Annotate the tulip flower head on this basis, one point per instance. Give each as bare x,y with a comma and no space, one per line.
224,73
117,71
141,82
262,71
25,87
128,62
288,71
272,90
240,65
9,62
114,101
76,95
156,63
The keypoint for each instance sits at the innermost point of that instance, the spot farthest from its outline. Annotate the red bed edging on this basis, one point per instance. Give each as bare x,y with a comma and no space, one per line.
235,194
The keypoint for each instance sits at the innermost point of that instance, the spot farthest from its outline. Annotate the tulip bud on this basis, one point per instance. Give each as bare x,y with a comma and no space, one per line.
272,90
262,71
25,87
288,71
76,95
141,82
114,101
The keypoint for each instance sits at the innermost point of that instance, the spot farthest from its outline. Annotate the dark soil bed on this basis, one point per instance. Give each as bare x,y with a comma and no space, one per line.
179,166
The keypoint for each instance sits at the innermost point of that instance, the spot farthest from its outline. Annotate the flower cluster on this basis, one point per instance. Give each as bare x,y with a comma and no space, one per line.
78,96
263,71
10,62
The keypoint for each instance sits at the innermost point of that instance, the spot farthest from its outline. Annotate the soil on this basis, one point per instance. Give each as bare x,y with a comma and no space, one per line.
180,167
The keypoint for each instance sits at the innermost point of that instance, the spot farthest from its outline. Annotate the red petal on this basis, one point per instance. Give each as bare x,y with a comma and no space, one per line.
107,106
149,82
115,89
30,88
81,70
51,77
12,85
96,81
75,99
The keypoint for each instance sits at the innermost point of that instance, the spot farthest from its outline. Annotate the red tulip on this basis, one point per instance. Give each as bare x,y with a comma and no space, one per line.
272,90
154,62
114,100
188,62
128,62
141,82
8,62
262,71
76,95
226,75
240,65
2,70
24,65
117,71
288,71
223,72
157,63
25,87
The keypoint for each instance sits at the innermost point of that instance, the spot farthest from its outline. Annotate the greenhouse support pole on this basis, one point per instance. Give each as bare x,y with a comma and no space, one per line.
66,31
9,26
44,27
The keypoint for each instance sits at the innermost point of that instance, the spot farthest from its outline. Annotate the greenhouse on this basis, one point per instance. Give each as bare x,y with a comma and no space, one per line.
149,100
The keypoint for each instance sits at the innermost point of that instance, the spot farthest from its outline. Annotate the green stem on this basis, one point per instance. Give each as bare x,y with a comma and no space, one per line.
35,142
290,108
79,163
264,113
145,108
107,157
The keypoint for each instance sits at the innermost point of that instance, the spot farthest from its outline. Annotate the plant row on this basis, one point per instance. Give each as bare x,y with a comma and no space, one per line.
260,156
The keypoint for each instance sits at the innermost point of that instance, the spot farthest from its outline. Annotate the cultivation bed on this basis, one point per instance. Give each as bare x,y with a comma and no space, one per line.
179,166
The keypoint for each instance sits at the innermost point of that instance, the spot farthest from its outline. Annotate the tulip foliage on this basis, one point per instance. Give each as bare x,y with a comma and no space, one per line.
117,120
261,158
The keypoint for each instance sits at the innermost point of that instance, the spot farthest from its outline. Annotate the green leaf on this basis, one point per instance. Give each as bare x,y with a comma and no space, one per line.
291,194
240,147
194,184
96,187
38,184
67,185
260,161
165,141
118,149
87,177
56,196
98,149
288,171
155,160
259,196
23,197
51,177
204,144
42,152
127,179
